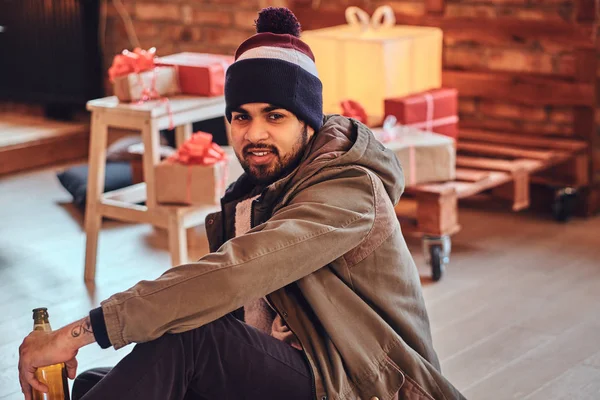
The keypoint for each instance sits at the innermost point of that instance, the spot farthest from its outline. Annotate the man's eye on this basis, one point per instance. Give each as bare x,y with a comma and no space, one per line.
275,116
241,117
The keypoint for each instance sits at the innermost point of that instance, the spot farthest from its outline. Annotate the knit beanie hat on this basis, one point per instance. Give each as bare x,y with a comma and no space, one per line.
274,66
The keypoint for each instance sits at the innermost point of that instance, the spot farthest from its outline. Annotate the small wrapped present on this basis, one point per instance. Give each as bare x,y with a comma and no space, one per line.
135,77
199,74
434,111
425,156
195,175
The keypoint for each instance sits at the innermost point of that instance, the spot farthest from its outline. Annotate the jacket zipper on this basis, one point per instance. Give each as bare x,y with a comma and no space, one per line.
223,230
254,202
312,374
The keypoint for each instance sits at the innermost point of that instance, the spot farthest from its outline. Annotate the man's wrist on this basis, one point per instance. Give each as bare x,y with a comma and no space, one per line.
77,334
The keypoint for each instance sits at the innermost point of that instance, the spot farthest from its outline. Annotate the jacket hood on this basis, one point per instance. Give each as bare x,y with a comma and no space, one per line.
345,141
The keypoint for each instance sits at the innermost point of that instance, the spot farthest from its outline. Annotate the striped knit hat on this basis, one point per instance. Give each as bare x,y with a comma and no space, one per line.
274,66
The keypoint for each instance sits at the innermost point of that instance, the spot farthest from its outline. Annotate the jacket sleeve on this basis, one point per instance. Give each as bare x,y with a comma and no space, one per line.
322,222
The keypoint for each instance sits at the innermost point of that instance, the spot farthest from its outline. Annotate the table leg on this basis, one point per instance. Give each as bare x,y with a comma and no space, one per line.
177,240
95,188
182,133
151,157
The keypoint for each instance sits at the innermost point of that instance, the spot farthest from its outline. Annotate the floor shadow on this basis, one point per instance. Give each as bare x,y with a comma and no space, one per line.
91,290
73,211
5,261
426,280
415,243
78,215
156,238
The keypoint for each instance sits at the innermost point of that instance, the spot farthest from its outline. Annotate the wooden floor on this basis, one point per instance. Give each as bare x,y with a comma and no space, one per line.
517,315
30,142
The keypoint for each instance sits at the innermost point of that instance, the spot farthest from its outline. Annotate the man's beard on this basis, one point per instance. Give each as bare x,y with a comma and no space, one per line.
280,167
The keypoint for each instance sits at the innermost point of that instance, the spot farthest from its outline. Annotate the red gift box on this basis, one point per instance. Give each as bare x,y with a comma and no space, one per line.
199,74
434,110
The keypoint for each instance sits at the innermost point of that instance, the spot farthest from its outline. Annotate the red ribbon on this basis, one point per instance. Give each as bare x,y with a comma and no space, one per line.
128,62
393,132
200,150
354,109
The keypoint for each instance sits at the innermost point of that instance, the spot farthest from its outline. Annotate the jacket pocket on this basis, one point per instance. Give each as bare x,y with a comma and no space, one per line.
412,391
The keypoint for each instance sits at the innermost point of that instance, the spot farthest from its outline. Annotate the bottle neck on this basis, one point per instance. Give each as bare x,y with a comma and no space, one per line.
42,326
40,320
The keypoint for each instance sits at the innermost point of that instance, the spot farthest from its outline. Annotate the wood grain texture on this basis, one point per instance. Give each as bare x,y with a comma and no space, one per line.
32,142
520,88
522,140
509,152
580,382
586,10
435,7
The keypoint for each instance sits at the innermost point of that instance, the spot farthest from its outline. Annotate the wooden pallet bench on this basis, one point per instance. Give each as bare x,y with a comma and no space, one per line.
503,165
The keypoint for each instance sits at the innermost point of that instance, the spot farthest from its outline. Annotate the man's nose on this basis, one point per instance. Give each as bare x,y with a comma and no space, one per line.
256,132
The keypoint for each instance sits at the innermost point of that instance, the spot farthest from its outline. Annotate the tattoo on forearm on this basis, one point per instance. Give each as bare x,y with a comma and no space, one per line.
84,327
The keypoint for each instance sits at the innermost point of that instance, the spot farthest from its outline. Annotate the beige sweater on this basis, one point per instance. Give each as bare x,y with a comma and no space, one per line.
258,313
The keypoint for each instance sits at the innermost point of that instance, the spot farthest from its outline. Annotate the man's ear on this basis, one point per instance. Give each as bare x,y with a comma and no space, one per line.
309,129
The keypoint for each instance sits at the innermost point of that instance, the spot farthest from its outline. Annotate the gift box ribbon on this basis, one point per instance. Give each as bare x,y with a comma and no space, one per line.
353,109
429,122
199,150
389,134
128,62
383,16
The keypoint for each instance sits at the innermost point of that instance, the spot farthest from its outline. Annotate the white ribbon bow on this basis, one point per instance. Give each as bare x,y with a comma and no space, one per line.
383,17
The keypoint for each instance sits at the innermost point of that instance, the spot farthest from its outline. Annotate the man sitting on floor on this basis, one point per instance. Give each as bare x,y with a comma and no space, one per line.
309,291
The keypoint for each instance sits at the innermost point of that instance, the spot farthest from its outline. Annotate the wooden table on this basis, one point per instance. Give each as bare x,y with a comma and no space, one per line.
148,118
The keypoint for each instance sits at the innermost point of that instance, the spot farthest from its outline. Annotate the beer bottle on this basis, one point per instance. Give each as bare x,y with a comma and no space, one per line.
53,376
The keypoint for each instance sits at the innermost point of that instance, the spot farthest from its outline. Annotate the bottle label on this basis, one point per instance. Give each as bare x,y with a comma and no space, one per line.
53,377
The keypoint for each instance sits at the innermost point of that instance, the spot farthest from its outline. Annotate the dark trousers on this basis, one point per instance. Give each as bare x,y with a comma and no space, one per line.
225,359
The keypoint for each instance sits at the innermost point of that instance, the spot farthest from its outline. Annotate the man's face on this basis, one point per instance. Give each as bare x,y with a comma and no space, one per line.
269,141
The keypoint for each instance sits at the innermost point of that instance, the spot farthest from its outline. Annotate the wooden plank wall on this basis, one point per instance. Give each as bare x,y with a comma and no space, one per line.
575,90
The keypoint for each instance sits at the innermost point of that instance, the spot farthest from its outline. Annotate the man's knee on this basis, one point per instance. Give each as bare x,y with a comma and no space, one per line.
87,380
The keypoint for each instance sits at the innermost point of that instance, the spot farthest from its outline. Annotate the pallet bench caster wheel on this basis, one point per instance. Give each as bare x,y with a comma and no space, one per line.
437,254
564,204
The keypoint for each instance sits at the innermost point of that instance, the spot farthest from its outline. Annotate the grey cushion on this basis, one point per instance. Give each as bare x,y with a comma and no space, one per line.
74,179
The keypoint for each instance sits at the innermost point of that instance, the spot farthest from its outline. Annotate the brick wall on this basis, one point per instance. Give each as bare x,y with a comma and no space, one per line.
218,26
528,56
212,26
209,26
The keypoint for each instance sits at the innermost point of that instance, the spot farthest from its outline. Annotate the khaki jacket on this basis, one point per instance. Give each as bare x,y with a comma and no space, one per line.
328,252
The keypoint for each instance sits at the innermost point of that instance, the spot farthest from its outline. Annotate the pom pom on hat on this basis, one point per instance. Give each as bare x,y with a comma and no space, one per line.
277,20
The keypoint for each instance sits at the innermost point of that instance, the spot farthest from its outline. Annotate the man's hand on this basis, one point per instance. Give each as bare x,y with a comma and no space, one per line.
40,349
